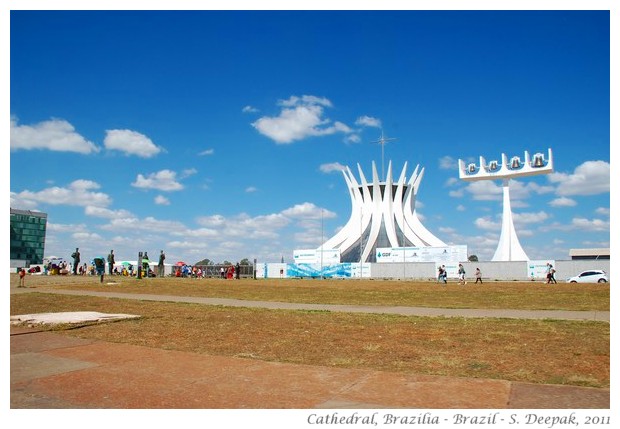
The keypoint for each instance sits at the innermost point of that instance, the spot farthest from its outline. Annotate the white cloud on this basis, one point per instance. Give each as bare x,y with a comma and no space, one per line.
525,218
55,134
263,222
589,178
368,121
222,230
86,237
106,213
603,211
251,189
161,200
131,143
590,225
308,237
518,204
187,244
305,99
264,226
204,233
486,223
164,180
520,190
484,190
563,202
331,167
595,244
490,190
149,224
61,227
447,163
452,181
23,201
206,152
249,109
212,221
307,211
352,138
299,118
78,193
188,172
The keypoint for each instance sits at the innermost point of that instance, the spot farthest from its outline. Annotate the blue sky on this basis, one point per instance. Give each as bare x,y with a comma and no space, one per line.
214,134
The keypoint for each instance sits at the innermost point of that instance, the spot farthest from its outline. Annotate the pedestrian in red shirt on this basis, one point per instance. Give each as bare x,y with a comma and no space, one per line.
22,278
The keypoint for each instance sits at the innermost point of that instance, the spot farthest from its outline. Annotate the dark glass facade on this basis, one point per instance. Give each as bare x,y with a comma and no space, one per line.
28,235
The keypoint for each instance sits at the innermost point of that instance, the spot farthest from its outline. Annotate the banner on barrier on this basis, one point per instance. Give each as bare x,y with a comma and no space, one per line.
317,256
422,254
538,269
341,270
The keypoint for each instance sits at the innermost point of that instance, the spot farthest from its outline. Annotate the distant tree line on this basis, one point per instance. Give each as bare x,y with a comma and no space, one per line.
207,261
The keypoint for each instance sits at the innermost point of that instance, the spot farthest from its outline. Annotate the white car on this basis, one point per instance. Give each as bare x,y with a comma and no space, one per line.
590,276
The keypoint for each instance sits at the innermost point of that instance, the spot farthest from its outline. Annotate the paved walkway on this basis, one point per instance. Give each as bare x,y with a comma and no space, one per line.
51,370
405,311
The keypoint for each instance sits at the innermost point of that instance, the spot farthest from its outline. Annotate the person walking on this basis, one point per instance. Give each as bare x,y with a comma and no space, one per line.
99,267
550,274
478,275
443,275
462,275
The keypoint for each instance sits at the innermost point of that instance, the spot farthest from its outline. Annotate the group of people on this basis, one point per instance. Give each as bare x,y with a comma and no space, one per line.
98,267
442,275
198,272
189,271
230,272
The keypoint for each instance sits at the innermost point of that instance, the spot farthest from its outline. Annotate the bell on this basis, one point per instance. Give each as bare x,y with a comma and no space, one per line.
472,167
539,160
515,162
493,165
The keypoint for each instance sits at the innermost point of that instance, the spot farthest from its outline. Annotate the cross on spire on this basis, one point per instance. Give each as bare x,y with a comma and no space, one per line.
382,141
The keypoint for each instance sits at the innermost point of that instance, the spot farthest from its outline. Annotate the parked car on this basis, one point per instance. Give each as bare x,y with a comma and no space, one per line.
590,276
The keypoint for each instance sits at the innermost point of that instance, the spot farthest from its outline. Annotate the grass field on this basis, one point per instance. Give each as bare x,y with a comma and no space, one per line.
538,351
497,295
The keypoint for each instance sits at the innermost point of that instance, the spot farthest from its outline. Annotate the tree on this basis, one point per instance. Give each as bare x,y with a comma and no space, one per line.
244,261
472,258
205,261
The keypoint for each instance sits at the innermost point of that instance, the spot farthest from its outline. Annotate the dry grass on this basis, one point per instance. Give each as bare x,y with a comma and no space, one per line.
492,295
559,352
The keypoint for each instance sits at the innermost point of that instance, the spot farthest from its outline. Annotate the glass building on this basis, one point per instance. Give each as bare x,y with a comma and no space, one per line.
28,236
